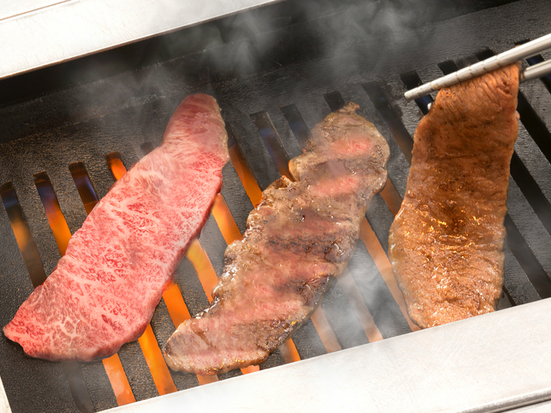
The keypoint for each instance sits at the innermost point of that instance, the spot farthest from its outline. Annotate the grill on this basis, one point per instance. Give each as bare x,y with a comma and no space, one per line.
68,131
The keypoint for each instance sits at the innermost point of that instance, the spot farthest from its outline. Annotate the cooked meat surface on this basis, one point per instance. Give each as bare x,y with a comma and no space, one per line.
446,243
300,236
104,290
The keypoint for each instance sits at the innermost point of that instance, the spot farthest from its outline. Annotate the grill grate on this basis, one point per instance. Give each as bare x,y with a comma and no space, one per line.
75,147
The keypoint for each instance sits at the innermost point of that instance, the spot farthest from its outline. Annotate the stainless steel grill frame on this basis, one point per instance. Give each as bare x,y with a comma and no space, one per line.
472,364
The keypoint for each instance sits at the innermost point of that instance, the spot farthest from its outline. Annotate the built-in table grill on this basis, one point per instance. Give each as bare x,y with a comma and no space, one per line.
68,131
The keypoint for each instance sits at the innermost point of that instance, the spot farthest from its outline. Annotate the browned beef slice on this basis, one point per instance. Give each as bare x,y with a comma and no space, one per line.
446,243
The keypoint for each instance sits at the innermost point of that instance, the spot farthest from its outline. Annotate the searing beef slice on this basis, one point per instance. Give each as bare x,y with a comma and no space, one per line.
300,236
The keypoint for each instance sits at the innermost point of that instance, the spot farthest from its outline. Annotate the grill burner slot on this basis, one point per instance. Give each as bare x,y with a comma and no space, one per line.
412,80
78,386
273,142
296,123
396,127
84,186
147,147
57,221
23,234
334,100
243,170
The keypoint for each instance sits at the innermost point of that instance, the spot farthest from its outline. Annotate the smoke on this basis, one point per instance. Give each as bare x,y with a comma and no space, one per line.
301,31
247,43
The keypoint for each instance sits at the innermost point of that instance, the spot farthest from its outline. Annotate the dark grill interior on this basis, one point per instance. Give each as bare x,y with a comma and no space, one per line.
68,131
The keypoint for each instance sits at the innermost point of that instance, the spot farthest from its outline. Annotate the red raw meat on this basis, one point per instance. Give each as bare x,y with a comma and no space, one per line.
103,292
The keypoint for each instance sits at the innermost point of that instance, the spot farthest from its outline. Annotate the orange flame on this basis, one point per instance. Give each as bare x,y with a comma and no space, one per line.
115,165
327,336
205,271
289,352
57,222
156,362
119,381
245,175
225,221
391,197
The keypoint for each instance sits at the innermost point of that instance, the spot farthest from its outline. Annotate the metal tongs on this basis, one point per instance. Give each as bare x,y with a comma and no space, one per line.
503,59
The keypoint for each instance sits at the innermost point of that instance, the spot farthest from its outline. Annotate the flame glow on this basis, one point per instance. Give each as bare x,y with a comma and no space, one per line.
225,221
245,175
119,381
156,362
